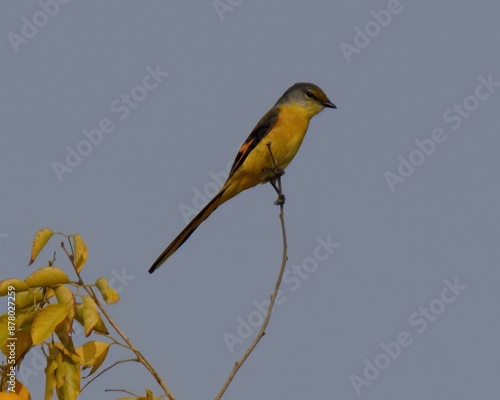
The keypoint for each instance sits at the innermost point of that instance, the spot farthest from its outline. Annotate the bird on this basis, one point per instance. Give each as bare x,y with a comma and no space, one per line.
268,150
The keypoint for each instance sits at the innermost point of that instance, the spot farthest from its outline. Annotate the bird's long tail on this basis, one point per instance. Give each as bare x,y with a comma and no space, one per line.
189,229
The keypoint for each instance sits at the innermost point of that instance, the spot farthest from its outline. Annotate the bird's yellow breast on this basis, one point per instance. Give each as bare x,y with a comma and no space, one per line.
285,137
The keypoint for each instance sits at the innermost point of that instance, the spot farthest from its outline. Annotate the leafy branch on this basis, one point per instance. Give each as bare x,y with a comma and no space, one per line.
46,306
140,357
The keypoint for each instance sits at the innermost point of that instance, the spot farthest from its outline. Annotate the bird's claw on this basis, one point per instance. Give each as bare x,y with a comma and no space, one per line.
280,200
278,172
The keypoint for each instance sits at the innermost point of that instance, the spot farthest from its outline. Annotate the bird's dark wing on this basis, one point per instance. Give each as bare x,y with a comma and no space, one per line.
263,127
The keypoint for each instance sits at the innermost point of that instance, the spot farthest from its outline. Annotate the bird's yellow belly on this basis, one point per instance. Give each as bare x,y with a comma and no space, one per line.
285,139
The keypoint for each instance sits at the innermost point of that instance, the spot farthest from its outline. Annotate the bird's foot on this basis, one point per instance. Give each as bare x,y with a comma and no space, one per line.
278,172
280,200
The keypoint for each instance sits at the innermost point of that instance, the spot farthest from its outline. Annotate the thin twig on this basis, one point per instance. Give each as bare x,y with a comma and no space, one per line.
107,369
122,391
139,355
274,294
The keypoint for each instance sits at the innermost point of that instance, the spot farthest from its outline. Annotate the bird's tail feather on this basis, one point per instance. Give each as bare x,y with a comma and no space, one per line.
188,230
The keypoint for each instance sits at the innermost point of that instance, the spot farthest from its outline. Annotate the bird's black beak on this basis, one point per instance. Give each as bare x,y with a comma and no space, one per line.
329,104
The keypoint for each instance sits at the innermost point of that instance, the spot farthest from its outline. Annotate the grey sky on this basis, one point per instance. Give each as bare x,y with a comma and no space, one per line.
402,178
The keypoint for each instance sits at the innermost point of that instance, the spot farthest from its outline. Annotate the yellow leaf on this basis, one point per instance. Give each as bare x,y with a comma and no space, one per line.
50,372
92,354
46,321
69,375
65,296
22,391
17,347
100,327
109,294
21,321
81,252
40,240
88,314
18,284
63,332
66,351
24,321
4,330
149,396
28,299
10,396
49,293
47,277
101,283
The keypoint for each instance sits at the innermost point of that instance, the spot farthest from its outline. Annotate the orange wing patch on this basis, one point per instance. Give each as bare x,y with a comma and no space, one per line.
245,147
260,131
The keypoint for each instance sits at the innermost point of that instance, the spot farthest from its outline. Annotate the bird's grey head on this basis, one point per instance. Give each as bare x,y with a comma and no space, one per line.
307,96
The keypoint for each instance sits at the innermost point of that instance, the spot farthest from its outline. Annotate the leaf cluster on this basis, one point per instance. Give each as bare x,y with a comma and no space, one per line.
48,309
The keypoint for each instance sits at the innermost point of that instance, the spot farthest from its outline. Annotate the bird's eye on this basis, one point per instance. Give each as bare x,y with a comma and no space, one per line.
309,95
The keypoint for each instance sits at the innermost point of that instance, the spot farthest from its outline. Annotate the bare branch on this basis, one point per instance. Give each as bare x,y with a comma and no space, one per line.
278,173
107,369
122,391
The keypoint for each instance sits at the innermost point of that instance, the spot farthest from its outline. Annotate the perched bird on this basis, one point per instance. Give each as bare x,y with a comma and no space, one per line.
283,127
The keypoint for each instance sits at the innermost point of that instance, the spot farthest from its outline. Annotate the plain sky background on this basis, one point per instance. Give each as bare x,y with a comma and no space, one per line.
396,247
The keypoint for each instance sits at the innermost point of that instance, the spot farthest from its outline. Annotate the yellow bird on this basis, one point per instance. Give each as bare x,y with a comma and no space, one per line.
284,127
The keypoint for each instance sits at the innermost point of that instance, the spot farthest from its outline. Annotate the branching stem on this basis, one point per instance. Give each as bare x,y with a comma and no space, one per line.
138,354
